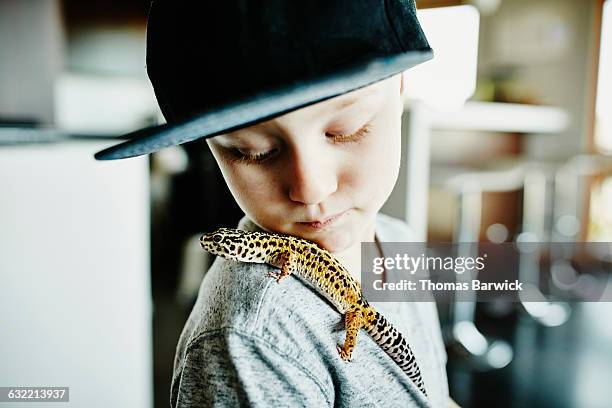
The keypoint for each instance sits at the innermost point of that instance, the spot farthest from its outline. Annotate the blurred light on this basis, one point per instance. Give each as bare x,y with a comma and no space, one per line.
500,354
568,225
496,354
449,79
171,160
588,286
497,233
556,314
527,242
547,313
486,7
536,309
470,337
563,274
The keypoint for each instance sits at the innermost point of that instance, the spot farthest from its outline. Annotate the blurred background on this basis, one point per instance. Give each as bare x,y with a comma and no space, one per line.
507,138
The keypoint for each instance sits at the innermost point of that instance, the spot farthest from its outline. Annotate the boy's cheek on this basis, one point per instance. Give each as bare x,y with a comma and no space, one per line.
376,171
381,164
382,153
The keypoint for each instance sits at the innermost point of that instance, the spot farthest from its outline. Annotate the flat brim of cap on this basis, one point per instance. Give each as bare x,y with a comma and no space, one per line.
263,106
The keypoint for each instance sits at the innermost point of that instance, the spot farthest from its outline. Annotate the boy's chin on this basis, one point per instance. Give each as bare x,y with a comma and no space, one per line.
335,238
337,241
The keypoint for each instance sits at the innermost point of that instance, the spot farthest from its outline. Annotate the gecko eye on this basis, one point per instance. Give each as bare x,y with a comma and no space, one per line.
217,238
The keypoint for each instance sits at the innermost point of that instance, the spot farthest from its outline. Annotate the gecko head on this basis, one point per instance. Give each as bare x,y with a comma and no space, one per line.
224,242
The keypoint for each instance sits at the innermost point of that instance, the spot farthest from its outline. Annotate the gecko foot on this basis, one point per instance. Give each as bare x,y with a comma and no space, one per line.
344,355
276,275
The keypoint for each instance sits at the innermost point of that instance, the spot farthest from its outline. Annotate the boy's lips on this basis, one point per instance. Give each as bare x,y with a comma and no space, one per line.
323,222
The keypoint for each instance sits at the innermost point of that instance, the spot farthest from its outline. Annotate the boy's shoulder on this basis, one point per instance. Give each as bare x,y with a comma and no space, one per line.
240,299
243,321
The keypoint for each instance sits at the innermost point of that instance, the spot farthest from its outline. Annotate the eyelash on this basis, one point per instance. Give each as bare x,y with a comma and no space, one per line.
353,138
261,157
252,158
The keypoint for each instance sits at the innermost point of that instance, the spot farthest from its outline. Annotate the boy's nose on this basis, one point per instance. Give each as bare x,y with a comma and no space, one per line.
313,179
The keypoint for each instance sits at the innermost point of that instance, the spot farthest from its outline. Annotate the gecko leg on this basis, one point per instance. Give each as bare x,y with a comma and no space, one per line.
286,260
353,321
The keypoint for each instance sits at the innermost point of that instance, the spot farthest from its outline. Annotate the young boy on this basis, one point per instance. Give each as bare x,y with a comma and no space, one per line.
311,149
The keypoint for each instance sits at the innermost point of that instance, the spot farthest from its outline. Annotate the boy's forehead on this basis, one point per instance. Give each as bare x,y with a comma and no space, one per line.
373,89
350,98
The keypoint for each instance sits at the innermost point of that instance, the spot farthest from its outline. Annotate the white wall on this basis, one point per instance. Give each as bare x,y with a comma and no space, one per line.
75,303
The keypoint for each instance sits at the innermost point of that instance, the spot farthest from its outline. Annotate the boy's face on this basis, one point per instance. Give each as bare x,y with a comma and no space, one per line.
321,172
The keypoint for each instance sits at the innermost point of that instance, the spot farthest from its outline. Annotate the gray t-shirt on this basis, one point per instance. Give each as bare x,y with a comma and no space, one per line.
250,341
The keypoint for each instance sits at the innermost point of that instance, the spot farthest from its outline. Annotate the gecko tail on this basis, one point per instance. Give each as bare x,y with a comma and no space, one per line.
396,346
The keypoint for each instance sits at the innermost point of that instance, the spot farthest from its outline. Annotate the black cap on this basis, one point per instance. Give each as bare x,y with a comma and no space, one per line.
219,66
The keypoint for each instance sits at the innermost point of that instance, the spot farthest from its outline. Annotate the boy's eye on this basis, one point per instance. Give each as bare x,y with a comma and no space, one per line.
353,137
259,157
253,157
